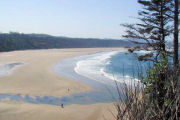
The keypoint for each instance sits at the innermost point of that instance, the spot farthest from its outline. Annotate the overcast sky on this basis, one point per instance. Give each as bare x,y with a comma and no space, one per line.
71,18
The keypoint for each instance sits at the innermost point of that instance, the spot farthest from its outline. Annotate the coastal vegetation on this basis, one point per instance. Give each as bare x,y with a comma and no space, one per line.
18,41
156,96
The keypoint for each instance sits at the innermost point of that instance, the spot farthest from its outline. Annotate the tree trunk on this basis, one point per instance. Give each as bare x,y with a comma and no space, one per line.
176,32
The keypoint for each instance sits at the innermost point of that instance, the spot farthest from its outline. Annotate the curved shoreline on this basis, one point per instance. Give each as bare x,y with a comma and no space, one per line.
22,82
36,77
99,89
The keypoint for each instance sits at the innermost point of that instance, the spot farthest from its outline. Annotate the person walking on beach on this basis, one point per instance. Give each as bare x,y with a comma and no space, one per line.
62,105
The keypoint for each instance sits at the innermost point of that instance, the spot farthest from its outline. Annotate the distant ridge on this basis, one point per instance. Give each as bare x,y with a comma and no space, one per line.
20,41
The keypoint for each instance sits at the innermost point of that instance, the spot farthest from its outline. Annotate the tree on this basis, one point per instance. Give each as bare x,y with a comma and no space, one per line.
158,22
159,97
154,29
176,32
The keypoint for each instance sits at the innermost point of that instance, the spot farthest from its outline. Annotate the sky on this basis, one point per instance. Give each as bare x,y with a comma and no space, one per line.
70,18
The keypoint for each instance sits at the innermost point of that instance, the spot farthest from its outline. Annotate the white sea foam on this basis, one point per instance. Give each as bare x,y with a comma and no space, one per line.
93,67
119,78
143,52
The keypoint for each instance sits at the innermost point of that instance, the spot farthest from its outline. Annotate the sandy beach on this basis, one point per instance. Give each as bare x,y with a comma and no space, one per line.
25,111
35,77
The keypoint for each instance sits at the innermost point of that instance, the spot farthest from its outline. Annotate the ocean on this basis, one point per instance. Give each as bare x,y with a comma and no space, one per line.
120,66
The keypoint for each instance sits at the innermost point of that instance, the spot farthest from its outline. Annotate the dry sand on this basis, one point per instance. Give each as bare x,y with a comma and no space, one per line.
36,77
25,111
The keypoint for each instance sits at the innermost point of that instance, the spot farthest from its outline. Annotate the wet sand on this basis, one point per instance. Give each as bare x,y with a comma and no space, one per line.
25,111
36,78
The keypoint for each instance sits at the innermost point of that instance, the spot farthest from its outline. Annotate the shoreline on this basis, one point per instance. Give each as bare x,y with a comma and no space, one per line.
59,55
21,78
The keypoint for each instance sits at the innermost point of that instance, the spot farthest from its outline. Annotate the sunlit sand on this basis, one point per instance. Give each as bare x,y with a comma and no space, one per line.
36,78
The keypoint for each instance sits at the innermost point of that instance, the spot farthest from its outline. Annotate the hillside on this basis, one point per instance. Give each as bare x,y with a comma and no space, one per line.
17,41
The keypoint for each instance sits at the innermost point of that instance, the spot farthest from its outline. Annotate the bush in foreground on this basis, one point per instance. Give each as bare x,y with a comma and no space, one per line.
156,97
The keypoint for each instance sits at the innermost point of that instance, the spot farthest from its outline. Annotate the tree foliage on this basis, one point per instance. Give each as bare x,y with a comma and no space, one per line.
155,26
158,98
17,41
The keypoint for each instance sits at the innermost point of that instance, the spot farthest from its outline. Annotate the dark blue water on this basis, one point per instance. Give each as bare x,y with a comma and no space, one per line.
126,65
